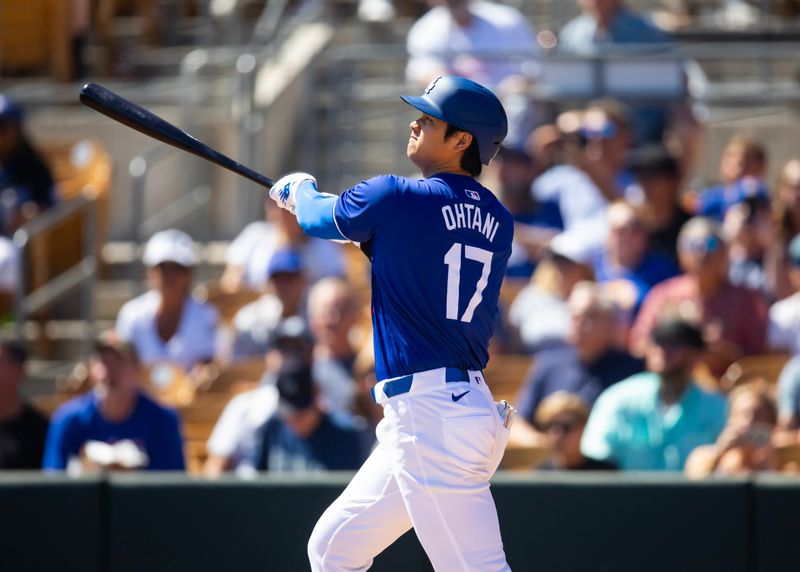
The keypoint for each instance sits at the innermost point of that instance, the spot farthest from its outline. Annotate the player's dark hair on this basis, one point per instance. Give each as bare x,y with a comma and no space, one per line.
471,159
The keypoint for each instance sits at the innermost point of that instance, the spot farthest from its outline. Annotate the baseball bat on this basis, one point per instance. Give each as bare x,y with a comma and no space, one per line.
136,117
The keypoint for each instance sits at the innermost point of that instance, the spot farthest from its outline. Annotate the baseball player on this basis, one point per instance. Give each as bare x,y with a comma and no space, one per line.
439,248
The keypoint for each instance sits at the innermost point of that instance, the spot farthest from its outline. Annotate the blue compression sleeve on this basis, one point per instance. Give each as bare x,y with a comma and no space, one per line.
315,213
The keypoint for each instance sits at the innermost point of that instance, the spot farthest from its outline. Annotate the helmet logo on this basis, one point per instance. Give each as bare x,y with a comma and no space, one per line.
432,85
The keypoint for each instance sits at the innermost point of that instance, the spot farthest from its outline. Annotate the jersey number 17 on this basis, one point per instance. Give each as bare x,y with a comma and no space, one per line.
453,261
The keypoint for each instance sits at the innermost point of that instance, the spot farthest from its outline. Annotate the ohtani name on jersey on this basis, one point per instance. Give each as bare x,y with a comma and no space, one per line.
464,215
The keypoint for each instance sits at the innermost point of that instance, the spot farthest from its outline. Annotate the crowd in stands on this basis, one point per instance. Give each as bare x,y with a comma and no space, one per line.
631,294
26,186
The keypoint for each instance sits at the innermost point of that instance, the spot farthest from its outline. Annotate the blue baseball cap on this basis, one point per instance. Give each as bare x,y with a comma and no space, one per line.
10,111
286,262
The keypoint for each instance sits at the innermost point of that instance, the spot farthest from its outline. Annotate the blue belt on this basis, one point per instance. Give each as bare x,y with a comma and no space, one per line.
403,384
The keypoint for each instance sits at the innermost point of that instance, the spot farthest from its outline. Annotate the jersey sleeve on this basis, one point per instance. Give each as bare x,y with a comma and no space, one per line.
61,442
360,209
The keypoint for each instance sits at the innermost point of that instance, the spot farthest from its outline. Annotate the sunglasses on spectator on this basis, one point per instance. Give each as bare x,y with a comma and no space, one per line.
704,245
563,427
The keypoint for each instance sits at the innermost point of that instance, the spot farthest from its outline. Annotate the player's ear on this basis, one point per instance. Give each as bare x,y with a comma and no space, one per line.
463,141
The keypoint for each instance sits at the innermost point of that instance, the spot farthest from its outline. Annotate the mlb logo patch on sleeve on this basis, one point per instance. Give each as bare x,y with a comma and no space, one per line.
473,195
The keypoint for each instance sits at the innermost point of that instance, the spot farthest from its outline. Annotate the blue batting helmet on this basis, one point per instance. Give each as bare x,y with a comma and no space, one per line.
468,106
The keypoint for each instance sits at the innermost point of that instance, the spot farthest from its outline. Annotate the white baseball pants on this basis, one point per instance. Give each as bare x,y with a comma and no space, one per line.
438,445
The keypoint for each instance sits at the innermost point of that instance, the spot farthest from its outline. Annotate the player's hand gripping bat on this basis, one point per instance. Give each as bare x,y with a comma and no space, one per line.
136,117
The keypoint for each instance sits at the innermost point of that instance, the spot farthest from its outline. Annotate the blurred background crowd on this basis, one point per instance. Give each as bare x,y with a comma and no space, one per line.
157,315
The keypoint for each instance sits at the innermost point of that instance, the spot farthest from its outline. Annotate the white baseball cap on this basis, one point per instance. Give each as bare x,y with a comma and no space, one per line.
572,246
170,245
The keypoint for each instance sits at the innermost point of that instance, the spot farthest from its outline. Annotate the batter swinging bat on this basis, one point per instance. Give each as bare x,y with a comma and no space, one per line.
136,117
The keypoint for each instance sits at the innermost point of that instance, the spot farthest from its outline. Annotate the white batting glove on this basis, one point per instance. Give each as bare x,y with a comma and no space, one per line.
284,191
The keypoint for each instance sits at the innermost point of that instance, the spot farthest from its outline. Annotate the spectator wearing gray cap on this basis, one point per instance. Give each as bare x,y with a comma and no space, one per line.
653,420
733,319
167,324
783,332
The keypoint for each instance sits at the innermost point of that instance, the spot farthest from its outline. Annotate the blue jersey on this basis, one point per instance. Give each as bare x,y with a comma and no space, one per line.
439,249
155,430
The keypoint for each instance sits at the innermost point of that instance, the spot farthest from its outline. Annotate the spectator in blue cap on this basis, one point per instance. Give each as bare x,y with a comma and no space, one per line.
741,171
26,185
282,299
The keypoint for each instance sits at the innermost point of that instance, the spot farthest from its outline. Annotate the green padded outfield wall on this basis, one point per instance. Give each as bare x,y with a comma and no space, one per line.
51,524
622,523
173,524
550,522
777,524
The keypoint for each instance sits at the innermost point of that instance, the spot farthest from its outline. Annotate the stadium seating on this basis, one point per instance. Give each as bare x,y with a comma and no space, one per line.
80,167
748,368
34,37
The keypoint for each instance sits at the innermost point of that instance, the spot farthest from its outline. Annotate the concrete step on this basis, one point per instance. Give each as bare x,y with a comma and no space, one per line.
121,260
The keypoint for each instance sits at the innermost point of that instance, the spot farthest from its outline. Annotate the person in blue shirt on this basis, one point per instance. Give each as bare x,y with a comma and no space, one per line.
115,410
627,267
439,247
611,26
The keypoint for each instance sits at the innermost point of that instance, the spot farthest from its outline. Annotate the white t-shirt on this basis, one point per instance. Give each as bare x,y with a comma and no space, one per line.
436,43
8,265
783,331
255,245
194,341
581,203
235,432
539,316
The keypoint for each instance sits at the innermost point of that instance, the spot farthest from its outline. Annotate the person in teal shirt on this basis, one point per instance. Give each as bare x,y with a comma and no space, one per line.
653,420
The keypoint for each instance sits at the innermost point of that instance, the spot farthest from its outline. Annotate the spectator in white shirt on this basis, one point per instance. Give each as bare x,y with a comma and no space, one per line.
250,252
783,333
167,324
234,435
484,41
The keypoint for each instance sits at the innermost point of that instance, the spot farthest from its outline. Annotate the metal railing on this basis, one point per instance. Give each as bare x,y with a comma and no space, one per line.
80,275
195,203
367,80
